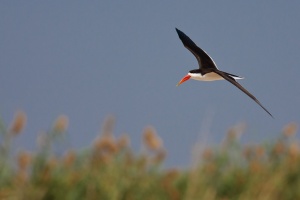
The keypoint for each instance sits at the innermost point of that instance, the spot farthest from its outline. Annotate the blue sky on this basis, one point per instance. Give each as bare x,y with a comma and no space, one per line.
91,59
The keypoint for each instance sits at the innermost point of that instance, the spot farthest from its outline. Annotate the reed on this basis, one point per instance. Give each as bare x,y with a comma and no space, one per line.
110,169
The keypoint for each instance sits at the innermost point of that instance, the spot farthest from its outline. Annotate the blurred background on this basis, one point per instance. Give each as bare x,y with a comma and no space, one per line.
90,60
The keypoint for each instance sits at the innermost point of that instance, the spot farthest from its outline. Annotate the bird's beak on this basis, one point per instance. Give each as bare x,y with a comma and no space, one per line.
187,77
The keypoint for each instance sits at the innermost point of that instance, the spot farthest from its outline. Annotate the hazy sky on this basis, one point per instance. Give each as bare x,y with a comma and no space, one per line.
90,59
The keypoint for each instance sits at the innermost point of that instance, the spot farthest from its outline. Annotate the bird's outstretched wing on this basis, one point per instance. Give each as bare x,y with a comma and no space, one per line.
235,83
204,60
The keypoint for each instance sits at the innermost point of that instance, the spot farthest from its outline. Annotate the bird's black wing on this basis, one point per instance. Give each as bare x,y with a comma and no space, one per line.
235,83
204,60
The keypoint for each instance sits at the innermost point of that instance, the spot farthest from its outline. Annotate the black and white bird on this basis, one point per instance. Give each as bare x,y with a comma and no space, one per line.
208,70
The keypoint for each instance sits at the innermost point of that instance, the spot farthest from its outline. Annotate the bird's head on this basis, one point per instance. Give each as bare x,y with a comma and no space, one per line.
185,78
192,74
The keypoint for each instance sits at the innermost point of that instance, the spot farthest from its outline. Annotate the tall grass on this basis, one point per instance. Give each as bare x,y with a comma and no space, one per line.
109,169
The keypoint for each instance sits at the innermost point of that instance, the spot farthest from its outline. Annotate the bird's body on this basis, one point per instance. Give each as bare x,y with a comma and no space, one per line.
211,76
208,70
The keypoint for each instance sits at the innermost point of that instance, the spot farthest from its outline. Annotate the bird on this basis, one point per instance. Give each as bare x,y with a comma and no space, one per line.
208,70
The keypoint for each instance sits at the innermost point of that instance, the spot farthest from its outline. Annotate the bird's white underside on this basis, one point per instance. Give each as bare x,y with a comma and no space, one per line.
212,76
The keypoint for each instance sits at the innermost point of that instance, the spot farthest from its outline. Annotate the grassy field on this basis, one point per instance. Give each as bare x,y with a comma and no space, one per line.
109,169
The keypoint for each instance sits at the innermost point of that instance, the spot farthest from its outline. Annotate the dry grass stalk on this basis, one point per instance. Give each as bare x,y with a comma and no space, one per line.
108,126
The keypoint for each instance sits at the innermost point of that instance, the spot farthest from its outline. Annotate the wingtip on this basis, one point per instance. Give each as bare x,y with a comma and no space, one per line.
267,111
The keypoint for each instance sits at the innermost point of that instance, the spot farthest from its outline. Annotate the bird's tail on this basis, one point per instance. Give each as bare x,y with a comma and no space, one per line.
234,76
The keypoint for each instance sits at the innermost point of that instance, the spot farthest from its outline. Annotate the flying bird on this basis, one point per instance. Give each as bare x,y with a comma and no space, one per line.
208,70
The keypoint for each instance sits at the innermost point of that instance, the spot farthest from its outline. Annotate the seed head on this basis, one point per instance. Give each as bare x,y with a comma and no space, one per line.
293,149
259,151
207,154
18,123
123,141
61,124
69,158
290,129
279,148
105,144
151,140
24,159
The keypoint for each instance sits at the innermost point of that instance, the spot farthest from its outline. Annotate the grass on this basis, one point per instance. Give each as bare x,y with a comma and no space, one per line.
109,169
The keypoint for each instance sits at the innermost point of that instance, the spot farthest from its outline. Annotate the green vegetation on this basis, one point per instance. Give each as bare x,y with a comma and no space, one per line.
109,169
